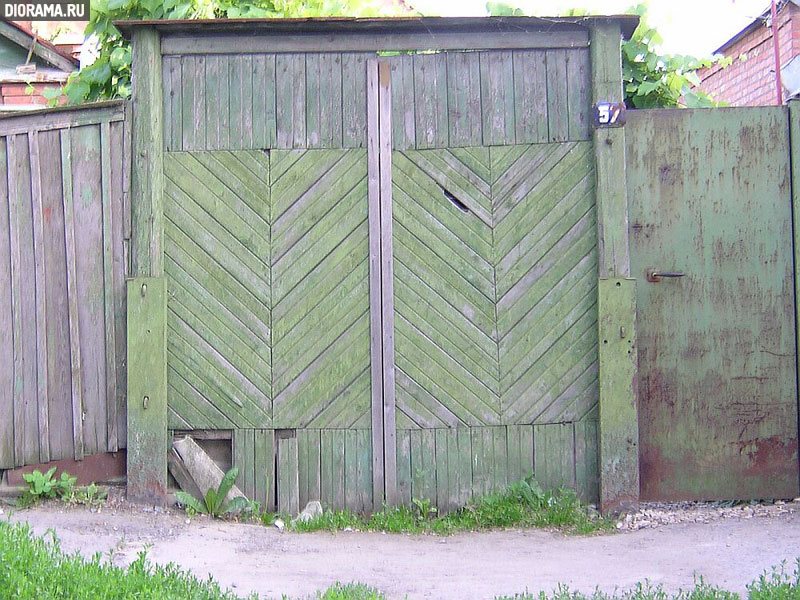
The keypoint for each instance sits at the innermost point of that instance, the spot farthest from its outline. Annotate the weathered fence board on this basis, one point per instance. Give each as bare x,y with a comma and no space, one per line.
61,299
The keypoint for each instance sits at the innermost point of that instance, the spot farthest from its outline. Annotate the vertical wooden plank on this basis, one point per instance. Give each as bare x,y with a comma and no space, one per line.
497,98
23,287
530,96
387,282
465,465
364,501
557,100
480,472
72,294
302,465
500,456
355,99
108,288
288,499
331,93
314,465
314,102
586,479
290,74
188,75
430,101
578,94
147,389
442,472
147,241
265,468
56,298
542,440
404,467
240,458
88,223
526,449
246,94
619,420
6,319
171,82
119,272
464,98
455,482
42,393
338,469
513,452
351,469
263,100
235,102
250,458
375,328
403,112
326,468
211,78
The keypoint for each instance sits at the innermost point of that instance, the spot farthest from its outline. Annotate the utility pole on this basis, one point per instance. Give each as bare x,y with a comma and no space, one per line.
777,48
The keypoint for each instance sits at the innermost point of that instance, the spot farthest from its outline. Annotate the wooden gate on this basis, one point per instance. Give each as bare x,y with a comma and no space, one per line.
711,201
381,274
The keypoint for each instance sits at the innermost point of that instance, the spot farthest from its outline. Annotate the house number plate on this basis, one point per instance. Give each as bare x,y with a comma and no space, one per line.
609,114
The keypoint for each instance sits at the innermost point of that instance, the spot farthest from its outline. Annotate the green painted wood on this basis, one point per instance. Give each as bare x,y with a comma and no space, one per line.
72,295
579,97
290,93
6,317
619,446
717,402
218,260
497,98
147,243
310,465
554,455
244,457
586,461
404,135
263,103
404,467
530,96
147,390
287,475
430,101
557,96
355,99
464,99
324,111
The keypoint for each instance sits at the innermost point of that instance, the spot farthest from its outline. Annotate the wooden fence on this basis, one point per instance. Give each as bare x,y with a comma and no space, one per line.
64,223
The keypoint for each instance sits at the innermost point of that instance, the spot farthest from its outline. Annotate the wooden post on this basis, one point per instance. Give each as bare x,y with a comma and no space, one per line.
147,390
147,169
147,360
619,424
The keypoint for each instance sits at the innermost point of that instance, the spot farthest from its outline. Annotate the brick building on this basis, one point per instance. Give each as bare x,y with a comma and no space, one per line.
750,79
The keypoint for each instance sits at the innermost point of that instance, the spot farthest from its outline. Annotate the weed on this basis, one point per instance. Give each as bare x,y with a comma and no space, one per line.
350,591
45,486
777,584
214,503
523,504
92,495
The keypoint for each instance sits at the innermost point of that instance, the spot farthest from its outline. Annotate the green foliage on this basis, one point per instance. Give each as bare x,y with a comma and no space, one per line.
524,504
110,75
654,80
650,79
91,496
213,503
46,486
34,568
350,591
776,584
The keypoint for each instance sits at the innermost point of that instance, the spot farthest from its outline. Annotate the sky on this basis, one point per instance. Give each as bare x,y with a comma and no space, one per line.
694,27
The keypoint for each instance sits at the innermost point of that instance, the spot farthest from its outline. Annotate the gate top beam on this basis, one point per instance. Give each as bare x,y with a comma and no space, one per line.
248,36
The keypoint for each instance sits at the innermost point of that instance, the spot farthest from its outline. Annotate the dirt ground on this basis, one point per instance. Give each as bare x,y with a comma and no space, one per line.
728,552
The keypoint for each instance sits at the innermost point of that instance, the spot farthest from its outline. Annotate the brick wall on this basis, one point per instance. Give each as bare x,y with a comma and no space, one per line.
15,94
750,80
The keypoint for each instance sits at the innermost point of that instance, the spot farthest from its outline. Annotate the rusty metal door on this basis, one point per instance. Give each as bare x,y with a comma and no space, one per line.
710,206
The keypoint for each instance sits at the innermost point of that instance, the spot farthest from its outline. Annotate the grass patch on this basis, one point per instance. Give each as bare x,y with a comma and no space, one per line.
775,584
523,504
36,568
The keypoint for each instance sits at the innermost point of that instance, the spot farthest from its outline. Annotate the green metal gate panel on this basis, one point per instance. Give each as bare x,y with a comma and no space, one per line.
495,321
710,197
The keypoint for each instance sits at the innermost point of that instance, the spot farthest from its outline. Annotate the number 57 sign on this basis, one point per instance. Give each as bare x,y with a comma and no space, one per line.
609,114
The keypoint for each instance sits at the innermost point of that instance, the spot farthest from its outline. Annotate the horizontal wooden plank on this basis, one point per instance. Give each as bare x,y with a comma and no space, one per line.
61,119
363,42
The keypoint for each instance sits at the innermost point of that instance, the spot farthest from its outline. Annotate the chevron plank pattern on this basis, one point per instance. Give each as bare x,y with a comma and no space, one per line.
495,285
217,256
445,330
320,289
546,274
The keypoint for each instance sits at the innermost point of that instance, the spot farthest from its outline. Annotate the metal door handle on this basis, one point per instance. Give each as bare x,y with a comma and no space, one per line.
655,276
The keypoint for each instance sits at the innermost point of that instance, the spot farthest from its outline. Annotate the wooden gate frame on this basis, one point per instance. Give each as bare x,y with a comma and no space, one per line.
147,386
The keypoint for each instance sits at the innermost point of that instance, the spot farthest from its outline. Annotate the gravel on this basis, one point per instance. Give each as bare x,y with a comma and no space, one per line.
657,514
